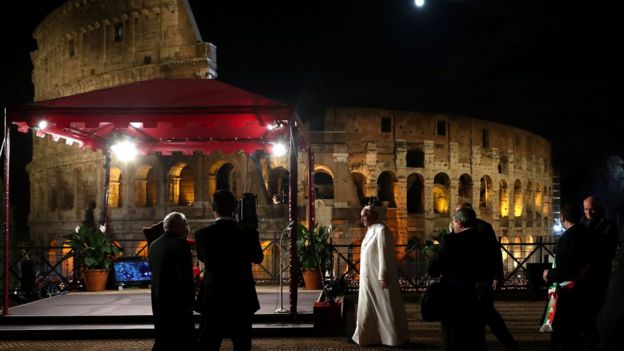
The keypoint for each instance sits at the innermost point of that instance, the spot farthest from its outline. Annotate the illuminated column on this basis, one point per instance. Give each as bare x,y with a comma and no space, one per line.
174,190
400,198
453,196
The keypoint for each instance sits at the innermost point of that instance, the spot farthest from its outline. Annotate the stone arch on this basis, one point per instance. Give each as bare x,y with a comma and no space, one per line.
485,193
464,189
323,183
503,199
323,168
385,188
415,158
503,165
538,197
518,205
415,193
441,189
359,180
115,188
278,185
146,187
222,175
182,184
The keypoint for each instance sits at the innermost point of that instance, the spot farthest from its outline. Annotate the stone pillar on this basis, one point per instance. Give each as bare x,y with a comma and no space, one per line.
174,190
453,154
453,195
140,198
429,151
343,190
475,160
212,185
400,198
428,198
400,153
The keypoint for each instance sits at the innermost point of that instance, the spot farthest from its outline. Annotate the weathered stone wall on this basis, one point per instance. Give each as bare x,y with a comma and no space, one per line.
88,45
472,160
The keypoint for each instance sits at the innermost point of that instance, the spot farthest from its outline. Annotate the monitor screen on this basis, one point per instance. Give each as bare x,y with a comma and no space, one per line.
132,271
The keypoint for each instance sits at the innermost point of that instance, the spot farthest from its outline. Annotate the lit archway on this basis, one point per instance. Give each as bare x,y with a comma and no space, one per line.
145,186
503,199
115,188
359,180
323,185
415,193
182,184
278,185
441,185
518,196
485,193
538,198
464,189
385,188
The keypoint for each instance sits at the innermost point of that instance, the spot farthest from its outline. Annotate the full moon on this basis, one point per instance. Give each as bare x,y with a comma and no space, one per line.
419,3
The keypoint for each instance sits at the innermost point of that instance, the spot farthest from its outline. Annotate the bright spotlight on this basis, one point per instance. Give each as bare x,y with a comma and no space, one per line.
43,125
419,3
279,149
125,150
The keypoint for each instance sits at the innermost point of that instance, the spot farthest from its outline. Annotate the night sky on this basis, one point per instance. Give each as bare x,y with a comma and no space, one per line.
546,66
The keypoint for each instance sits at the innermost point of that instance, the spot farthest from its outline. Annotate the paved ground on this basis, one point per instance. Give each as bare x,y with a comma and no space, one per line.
521,316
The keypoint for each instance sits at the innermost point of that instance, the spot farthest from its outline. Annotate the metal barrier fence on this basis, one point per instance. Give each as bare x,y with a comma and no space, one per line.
55,264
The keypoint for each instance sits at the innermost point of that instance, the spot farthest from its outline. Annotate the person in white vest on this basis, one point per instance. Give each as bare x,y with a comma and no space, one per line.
381,316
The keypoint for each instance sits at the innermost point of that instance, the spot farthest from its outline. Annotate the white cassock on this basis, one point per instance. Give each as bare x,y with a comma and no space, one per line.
381,317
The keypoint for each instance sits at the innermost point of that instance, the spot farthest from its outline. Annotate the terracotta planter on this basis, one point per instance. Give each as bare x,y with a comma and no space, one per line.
95,279
312,279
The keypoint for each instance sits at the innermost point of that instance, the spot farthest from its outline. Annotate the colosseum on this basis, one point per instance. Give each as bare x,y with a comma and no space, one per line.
416,165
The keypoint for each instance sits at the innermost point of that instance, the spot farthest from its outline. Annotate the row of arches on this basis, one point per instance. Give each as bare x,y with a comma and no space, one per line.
529,197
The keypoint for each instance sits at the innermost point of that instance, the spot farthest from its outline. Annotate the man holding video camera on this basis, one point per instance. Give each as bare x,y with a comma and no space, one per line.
227,299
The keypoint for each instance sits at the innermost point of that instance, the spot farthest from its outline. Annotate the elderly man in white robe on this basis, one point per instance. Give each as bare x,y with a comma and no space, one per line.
381,317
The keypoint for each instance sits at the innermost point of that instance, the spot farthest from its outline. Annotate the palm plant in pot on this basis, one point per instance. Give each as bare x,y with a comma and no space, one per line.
93,252
314,251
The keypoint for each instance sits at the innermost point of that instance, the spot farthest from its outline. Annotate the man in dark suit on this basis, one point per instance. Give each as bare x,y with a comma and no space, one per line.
228,296
462,263
173,292
573,256
495,275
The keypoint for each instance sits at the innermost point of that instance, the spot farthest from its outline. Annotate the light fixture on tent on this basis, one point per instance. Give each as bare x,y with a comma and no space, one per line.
419,3
275,125
125,150
279,149
43,124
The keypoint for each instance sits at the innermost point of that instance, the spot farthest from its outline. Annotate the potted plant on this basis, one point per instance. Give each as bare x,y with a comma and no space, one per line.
314,251
93,252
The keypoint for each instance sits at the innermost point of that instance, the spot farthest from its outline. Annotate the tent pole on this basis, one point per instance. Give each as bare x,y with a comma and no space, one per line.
311,220
294,222
7,214
107,162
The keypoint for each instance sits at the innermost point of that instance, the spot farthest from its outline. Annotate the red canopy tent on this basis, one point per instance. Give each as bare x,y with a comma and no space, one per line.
168,115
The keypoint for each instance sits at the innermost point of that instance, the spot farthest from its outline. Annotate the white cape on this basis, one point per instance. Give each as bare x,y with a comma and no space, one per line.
381,317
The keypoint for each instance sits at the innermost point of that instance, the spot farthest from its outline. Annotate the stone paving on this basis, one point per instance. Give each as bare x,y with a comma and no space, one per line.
521,316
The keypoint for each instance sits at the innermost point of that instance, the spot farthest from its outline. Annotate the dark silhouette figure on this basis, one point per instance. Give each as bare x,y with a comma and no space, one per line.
495,276
573,256
173,292
227,298
610,321
462,261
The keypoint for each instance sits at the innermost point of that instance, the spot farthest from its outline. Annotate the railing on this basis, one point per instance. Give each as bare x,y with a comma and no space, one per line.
55,264
413,262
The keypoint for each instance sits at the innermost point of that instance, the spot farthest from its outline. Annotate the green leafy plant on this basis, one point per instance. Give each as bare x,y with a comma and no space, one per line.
92,248
313,248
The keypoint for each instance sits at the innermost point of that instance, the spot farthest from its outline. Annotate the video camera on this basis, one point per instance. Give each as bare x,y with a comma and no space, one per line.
246,214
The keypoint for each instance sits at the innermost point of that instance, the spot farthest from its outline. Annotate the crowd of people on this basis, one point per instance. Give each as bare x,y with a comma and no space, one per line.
588,271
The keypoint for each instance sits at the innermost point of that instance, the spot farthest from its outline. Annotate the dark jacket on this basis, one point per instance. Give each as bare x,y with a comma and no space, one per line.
173,292
495,257
604,235
572,256
228,283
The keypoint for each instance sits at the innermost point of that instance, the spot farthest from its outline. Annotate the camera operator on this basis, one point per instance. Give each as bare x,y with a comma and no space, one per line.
227,299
